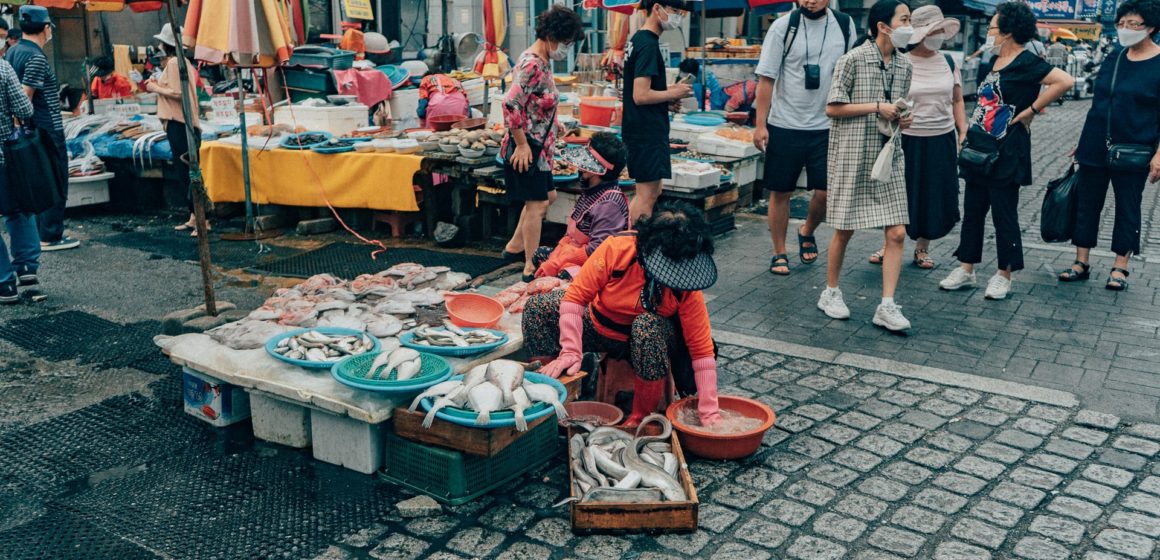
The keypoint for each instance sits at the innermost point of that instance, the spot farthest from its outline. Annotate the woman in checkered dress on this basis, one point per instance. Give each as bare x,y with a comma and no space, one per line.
867,82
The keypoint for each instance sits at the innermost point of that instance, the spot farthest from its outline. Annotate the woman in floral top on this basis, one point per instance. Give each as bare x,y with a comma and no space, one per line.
529,111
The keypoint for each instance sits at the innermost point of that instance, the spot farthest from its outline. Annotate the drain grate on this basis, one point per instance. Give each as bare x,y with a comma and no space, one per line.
61,534
225,254
75,335
348,260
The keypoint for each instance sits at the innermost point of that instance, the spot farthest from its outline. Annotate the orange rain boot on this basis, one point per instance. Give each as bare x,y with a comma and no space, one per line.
646,397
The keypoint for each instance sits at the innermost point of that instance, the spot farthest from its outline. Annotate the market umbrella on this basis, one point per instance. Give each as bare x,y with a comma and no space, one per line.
243,34
492,62
617,25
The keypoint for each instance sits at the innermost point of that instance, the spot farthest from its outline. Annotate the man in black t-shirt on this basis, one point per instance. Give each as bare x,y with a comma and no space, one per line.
647,96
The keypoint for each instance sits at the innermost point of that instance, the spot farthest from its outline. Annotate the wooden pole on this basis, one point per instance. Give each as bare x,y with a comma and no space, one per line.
195,180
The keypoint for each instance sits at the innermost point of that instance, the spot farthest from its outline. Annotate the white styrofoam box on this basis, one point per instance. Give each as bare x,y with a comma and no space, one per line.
279,421
83,191
213,400
559,211
713,144
745,172
404,107
474,88
346,442
694,180
335,120
685,132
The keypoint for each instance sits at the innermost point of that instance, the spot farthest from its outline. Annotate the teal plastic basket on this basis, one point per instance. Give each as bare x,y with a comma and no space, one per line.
456,478
355,372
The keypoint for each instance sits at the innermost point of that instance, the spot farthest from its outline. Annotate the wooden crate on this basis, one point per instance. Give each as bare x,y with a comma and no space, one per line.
480,442
572,385
658,517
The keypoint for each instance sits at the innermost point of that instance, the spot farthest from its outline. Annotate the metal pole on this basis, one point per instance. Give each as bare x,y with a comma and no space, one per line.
195,180
88,54
704,47
245,153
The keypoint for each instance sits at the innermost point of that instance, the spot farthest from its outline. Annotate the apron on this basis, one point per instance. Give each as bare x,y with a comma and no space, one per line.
445,103
572,250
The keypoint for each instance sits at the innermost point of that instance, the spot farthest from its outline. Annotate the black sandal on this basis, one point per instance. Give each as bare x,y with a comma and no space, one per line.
512,257
802,249
1070,275
1117,284
779,261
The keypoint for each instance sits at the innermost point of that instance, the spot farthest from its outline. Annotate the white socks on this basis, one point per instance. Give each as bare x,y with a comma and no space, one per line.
887,300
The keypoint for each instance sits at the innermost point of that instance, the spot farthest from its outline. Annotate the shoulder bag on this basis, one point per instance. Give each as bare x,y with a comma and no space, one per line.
1125,157
31,175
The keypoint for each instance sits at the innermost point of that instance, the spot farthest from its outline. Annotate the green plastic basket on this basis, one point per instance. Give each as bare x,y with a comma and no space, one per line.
456,478
355,372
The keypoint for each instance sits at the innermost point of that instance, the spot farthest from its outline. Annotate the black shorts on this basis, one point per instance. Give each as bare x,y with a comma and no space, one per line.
531,185
648,160
788,151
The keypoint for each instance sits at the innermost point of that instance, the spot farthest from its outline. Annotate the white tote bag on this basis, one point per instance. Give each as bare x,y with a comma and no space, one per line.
884,165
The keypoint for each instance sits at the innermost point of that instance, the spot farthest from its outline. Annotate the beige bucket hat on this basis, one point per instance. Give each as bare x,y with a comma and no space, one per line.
928,19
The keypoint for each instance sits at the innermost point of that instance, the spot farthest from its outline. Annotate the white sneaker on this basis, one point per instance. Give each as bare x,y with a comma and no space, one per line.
997,287
831,303
889,316
958,279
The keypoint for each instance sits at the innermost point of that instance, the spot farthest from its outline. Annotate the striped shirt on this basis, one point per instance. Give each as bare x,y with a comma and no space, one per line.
31,66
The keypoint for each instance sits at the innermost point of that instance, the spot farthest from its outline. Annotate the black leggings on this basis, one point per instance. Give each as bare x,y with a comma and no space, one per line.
179,145
1003,202
1128,189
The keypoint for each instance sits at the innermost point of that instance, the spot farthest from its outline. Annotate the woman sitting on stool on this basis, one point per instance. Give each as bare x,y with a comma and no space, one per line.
639,294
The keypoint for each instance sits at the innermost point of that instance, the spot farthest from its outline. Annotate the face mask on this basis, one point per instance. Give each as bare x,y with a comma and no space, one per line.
673,21
900,37
1130,37
992,46
814,15
933,43
561,51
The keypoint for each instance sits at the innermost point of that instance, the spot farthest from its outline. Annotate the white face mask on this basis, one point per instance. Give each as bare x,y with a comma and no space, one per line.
933,43
561,51
673,21
1130,37
992,46
900,36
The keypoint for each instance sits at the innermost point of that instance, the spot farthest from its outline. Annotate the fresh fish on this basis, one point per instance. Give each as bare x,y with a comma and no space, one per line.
408,370
542,392
398,357
651,475
670,464
484,399
437,390
439,404
589,461
507,375
521,404
380,361
607,464
316,355
607,434
630,480
475,376
453,328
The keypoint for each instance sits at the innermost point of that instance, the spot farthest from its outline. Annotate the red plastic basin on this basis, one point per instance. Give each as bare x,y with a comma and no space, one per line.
723,446
473,310
608,414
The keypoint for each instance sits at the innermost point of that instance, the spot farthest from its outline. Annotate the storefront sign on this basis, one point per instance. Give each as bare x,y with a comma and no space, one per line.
358,9
1053,9
223,108
124,110
1087,8
1108,10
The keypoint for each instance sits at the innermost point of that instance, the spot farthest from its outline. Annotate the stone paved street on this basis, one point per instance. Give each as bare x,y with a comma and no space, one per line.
1101,345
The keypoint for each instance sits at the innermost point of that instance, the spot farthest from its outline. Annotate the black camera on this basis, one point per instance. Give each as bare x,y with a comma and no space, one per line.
813,76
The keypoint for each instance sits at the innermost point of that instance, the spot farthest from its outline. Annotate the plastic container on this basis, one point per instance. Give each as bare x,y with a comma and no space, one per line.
407,146
306,79
90,189
500,418
443,122
473,310
455,478
608,414
469,124
723,446
322,57
449,148
212,400
598,111
408,339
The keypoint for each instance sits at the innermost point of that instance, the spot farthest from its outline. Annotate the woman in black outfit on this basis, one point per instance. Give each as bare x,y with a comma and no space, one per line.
1133,104
1010,96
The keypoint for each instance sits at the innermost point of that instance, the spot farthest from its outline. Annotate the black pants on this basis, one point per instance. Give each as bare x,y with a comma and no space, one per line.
1128,188
50,223
1003,203
179,146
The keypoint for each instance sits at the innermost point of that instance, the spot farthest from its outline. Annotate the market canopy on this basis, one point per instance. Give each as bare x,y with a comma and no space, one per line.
139,6
249,33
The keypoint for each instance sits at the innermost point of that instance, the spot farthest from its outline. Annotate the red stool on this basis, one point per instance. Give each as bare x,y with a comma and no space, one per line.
616,378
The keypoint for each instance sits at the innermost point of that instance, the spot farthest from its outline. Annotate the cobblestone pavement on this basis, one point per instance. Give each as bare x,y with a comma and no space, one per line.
862,465
1101,345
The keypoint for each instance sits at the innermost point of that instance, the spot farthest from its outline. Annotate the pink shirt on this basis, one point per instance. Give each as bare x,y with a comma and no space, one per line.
932,92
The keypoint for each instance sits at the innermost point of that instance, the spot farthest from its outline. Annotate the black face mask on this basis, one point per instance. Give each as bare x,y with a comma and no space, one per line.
814,15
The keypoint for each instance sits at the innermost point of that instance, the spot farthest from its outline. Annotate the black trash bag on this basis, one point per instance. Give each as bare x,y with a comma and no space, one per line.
1057,216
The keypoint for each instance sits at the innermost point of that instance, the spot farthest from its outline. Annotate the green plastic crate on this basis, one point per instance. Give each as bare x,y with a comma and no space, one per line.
456,478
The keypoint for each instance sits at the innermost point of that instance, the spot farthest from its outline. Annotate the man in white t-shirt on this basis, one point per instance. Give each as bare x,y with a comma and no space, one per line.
795,70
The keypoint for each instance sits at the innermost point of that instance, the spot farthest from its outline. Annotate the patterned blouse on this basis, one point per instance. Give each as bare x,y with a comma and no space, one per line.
530,105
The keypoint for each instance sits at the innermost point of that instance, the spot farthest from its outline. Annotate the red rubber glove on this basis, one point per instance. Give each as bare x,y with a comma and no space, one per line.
705,375
571,341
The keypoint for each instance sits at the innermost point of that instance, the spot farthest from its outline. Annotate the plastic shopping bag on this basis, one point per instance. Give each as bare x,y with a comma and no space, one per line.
884,165
1057,215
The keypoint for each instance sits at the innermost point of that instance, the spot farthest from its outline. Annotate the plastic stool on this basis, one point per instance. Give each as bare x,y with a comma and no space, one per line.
400,220
616,378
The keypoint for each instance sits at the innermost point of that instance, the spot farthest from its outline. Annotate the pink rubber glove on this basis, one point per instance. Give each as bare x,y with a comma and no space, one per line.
705,375
571,337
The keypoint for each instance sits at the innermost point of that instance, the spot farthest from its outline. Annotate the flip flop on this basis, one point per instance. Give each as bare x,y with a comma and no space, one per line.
802,249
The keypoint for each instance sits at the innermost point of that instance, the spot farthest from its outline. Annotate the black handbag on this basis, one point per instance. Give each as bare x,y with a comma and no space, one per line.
32,177
979,154
1125,157
1057,214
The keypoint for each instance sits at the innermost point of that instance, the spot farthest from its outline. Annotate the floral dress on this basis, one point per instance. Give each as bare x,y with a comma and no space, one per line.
857,201
530,105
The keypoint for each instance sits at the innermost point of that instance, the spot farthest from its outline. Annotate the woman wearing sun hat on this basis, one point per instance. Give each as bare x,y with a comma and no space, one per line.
931,142
639,294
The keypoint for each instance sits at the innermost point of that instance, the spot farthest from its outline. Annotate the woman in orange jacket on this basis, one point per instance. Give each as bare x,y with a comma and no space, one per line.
638,294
